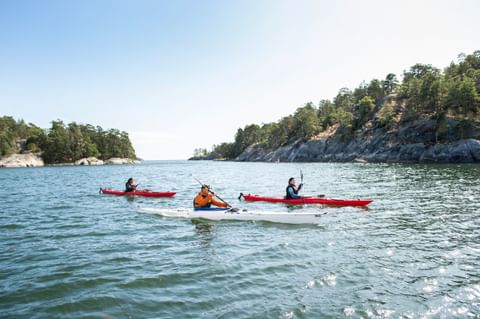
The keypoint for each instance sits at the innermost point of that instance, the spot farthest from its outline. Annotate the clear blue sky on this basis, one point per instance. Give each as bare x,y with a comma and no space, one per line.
178,75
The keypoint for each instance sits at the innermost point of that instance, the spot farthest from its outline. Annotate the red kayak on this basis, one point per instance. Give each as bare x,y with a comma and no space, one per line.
139,192
309,200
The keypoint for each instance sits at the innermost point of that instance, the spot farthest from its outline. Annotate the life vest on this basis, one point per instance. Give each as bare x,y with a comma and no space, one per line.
129,188
206,201
288,193
202,201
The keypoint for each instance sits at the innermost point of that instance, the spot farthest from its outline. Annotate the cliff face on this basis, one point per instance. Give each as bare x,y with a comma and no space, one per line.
408,144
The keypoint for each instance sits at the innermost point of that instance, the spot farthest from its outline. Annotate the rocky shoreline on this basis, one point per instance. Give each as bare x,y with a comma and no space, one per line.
322,150
407,144
34,160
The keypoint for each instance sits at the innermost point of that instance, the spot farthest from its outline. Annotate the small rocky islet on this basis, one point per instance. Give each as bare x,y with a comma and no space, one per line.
27,145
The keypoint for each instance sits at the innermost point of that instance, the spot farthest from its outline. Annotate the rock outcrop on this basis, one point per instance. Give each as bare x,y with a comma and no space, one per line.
21,160
32,160
117,160
89,161
411,144
212,156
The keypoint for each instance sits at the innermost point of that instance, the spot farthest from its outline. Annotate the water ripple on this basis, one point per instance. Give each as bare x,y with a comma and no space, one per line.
68,252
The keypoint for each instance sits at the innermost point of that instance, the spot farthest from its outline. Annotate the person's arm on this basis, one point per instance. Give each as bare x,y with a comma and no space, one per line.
299,187
292,194
218,203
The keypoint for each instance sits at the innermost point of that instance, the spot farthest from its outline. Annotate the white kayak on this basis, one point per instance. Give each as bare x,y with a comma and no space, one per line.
227,214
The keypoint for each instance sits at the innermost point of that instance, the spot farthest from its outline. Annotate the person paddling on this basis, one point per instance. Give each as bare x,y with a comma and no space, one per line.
130,185
205,199
292,189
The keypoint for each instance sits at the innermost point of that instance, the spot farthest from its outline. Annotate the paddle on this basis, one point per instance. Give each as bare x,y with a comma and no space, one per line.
309,196
301,181
213,193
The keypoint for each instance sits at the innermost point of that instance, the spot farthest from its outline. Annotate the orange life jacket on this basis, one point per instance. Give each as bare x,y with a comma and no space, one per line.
205,201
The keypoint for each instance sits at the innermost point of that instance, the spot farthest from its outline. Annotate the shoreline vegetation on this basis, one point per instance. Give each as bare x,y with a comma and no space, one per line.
27,145
430,116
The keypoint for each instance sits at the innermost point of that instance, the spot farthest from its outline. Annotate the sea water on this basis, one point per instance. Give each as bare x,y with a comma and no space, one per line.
67,251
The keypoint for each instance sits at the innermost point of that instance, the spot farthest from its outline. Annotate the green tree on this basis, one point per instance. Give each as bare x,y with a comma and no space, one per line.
200,152
7,135
375,90
325,110
422,87
306,121
343,117
386,115
57,148
463,98
360,92
363,111
344,99
224,150
390,83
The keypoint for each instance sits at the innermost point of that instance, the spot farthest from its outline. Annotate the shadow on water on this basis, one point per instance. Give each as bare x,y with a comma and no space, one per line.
204,231
202,227
279,226
130,199
205,228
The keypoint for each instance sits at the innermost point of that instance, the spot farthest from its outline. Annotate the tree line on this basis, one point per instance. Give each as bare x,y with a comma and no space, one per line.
425,92
63,143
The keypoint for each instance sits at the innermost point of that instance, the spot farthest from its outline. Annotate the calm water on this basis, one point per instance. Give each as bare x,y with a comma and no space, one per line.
68,252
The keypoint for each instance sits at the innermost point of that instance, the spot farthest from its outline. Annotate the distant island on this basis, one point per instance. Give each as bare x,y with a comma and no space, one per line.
431,116
23,144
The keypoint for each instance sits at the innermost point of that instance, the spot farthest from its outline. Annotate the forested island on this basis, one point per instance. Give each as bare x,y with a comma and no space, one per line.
62,143
429,116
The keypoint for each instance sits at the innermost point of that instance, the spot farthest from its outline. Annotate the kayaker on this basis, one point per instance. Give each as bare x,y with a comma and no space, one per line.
205,198
130,185
292,189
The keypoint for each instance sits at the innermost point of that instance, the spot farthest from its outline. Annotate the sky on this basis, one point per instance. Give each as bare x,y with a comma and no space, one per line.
180,75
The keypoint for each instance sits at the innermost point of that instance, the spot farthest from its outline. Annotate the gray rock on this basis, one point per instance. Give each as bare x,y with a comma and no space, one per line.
375,148
474,148
119,161
21,160
410,153
89,161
